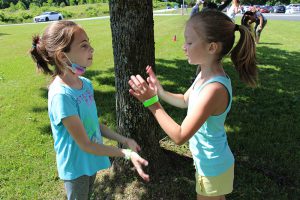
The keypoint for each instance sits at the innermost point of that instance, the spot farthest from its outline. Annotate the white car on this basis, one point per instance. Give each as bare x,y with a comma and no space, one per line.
48,16
292,8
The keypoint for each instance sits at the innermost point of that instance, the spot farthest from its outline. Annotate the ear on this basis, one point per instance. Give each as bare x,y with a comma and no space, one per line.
61,56
213,48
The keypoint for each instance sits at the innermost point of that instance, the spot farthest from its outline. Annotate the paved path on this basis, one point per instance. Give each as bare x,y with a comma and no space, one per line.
269,16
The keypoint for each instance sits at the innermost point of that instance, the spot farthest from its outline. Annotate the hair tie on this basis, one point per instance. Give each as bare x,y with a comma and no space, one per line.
236,27
36,42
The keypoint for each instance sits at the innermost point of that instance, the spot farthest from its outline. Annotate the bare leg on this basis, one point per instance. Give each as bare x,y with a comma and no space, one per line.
257,39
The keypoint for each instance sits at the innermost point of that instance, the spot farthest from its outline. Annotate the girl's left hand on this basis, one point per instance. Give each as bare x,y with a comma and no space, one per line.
132,144
140,89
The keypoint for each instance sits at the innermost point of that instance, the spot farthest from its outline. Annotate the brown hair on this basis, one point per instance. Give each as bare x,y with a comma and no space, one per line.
215,26
247,18
45,50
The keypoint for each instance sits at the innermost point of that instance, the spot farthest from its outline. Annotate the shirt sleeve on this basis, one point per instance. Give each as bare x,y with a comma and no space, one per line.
62,106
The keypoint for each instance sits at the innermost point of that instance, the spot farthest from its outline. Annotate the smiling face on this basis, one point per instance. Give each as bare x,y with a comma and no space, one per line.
81,51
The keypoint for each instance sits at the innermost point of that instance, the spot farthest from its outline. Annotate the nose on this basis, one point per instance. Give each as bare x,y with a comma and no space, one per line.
92,49
184,47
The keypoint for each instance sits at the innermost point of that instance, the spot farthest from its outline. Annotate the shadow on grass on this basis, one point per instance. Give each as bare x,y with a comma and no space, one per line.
175,183
262,127
1,34
270,43
263,133
118,184
264,123
45,130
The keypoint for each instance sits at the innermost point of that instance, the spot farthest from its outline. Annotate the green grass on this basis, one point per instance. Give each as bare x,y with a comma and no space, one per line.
263,125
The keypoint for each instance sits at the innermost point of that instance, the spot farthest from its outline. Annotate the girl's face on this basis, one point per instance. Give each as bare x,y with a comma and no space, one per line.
195,48
81,51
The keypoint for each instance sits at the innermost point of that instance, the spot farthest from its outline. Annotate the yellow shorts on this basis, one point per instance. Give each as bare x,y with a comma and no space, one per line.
215,185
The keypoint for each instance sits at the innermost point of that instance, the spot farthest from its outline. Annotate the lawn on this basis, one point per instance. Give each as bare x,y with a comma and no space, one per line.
263,126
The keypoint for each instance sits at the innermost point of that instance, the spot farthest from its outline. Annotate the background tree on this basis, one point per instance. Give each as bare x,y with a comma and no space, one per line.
20,6
133,47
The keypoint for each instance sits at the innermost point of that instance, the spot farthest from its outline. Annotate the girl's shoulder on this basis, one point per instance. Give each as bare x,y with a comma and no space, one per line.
56,88
214,85
223,80
86,81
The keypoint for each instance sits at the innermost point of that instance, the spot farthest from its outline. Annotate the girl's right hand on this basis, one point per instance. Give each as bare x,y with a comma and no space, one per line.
153,81
138,162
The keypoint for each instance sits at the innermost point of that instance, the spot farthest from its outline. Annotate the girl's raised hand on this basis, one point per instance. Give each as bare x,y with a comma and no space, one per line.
140,89
153,81
138,162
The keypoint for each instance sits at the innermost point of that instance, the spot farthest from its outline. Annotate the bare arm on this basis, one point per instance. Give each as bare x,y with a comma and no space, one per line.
78,133
177,100
260,21
108,133
211,101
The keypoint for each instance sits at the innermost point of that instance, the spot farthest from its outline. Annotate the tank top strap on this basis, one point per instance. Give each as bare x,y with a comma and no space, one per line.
224,80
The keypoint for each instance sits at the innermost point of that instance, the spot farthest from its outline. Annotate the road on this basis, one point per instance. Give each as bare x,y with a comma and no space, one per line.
269,16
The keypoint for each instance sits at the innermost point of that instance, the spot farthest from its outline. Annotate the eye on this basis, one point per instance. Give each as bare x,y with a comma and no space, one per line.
85,45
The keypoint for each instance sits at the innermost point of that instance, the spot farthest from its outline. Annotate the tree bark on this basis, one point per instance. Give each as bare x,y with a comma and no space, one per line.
133,47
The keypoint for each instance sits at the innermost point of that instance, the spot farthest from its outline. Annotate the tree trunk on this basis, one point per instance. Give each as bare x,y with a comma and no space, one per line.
133,47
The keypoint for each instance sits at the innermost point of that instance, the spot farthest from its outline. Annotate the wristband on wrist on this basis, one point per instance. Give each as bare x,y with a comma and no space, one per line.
127,153
151,101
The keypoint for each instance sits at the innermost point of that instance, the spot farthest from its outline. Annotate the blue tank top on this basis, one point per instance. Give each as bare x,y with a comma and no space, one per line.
209,147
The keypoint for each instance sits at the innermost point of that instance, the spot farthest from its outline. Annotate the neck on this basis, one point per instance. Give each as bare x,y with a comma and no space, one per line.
70,79
213,69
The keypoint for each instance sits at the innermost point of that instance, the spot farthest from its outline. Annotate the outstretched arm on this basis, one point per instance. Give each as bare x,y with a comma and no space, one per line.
78,133
110,134
211,98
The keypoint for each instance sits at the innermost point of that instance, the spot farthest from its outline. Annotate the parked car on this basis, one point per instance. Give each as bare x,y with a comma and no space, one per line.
265,9
279,9
269,8
292,8
48,16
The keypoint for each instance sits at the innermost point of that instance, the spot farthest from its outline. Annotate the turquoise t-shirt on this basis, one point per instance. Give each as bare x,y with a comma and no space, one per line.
64,101
209,147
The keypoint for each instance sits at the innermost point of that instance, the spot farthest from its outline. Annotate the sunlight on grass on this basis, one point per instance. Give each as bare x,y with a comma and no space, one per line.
269,67
262,124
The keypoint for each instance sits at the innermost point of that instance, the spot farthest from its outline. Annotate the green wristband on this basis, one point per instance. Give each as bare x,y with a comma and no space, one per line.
151,101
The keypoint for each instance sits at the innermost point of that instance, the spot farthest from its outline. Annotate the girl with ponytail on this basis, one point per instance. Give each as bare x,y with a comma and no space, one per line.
209,37
64,52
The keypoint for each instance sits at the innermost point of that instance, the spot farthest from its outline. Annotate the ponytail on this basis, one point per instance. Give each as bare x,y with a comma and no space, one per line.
243,56
37,54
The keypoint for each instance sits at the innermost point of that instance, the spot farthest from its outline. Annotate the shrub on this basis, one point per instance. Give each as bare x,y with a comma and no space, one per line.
21,6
